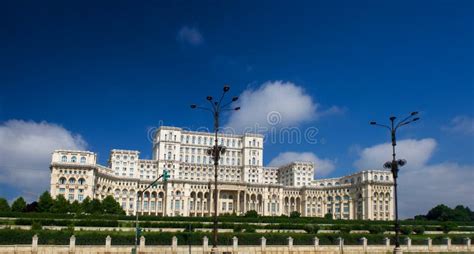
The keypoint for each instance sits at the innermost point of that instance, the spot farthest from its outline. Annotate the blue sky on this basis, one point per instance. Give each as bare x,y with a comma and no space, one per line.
110,70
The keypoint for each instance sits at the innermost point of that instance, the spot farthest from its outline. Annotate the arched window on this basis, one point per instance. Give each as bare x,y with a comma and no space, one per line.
194,140
62,180
387,178
72,180
64,158
253,161
81,181
83,160
375,178
73,159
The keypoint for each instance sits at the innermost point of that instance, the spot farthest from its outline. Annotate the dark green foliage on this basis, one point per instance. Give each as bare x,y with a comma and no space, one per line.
295,214
75,207
31,207
60,205
19,205
328,216
419,230
448,226
36,226
251,214
110,206
445,213
45,202
311,228
4,207
406,230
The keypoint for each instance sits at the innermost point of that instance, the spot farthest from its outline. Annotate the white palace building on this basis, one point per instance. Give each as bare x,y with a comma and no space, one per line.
244,183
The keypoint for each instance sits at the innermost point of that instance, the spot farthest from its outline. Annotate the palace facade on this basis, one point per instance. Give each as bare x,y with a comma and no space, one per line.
244,183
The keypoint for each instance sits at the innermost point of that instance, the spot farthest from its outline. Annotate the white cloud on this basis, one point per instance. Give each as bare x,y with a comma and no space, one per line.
322,166
275,104
25,152
461,124
190,35
422,185
416,152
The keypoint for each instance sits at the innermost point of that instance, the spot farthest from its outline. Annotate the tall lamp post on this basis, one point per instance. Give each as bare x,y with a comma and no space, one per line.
138,230
395,164
217,106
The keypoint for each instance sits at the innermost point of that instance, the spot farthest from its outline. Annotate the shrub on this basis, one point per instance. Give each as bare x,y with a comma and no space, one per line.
251,214
36,226
376,229
419,230
295,214
448,226
406,230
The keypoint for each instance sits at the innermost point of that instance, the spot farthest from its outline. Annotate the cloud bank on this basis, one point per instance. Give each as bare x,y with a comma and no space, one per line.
25,153
422,185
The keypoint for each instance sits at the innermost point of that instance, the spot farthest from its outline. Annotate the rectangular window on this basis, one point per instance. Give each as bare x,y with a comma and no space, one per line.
71,197
62,190
80,197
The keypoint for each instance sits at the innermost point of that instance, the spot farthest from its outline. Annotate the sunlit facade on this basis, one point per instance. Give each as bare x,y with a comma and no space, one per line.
244,183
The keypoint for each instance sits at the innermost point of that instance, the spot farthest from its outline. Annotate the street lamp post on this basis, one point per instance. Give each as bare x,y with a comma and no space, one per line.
395,164
138,230
216,108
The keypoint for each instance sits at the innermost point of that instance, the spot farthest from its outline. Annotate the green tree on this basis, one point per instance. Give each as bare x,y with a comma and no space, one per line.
95,207
461,213
19,205
110,206
441,213
419,230
328,216
75,207
45,202
295,214
60,205
251,214
86,205
4,207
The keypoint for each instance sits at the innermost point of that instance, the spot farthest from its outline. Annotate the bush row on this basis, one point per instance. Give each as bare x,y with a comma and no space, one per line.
227,218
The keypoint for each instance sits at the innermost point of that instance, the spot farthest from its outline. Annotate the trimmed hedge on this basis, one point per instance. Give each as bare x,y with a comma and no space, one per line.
227,218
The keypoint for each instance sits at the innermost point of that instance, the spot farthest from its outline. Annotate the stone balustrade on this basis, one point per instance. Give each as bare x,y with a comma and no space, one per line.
235,248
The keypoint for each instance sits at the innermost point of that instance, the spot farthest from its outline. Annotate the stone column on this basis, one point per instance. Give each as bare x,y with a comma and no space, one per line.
235,244
174,244
448,242
263,244
205,244
429,241
468,243
408,242
340,242
245,203
142,243
387,242
290,243
316,242
34,244
108,242
72,244
218,202
237,206
364,243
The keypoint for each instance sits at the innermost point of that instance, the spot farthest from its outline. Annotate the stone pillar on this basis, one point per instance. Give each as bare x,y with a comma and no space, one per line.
468,243
387,242
290,243
263,244
245,203
205,244
237,206
448,242
72,244
408,242
108,242
174,244
316,242
34,244
429,242
235,244
340,242
364,243
142,243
